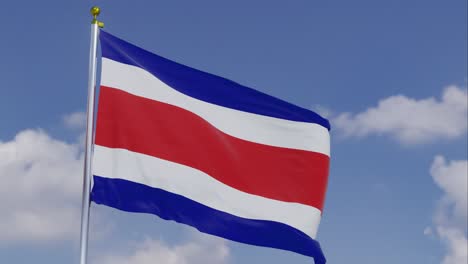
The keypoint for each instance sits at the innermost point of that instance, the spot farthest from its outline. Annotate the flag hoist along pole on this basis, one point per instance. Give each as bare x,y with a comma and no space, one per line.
95,25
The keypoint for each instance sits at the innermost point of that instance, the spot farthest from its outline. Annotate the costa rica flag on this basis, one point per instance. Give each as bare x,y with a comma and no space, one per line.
207,152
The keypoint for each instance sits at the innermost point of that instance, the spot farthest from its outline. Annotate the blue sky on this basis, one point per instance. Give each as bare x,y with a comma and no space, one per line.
398,171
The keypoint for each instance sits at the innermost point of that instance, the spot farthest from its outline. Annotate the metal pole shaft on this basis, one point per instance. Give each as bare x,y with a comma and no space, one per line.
89,144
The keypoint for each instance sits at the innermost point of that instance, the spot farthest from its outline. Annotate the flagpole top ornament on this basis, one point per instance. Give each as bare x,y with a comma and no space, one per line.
95,11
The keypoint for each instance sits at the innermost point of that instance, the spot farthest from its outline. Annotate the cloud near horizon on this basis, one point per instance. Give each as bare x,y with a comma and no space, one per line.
411,121
199,249
75,120
41,182
450,216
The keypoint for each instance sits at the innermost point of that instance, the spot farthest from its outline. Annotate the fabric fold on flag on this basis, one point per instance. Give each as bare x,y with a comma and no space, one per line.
207,152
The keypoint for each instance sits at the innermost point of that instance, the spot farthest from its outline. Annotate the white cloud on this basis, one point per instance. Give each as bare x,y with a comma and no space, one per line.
76,120
450,217
457,245
200,250
40,188
411,120
452,178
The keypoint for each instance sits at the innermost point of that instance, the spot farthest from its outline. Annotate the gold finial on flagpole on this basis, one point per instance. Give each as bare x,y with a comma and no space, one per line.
95,11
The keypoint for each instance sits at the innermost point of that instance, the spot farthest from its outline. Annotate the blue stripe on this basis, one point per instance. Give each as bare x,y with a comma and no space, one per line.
205,86
134,197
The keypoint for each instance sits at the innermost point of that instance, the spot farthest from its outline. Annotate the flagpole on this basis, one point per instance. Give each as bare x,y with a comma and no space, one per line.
95,25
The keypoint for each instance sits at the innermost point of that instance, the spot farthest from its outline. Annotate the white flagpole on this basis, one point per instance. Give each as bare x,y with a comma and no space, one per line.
89,135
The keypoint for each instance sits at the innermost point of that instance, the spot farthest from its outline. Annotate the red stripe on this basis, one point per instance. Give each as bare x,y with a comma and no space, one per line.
175,134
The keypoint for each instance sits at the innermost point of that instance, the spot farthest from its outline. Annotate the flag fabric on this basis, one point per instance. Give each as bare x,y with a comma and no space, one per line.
207,152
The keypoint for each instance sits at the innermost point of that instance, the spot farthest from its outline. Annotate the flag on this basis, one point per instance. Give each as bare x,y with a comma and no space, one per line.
207,152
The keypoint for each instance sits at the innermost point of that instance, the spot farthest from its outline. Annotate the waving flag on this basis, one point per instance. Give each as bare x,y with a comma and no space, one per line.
204,151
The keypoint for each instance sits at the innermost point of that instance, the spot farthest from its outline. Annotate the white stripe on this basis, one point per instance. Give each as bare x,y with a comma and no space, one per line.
200,187
251,127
